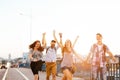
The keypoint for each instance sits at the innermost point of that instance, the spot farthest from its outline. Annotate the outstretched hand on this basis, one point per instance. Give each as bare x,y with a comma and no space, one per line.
60,34
114,59
44,33
77,37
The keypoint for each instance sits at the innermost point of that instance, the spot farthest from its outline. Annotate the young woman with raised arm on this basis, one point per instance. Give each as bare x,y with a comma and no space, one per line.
67,61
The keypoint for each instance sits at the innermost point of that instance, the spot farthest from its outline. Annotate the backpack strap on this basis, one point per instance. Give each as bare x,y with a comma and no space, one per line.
47,49
50,47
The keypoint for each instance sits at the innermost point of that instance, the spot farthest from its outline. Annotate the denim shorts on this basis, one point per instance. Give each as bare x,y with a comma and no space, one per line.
69,68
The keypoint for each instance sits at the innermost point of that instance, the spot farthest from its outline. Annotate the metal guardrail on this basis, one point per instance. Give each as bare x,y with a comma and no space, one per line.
113,70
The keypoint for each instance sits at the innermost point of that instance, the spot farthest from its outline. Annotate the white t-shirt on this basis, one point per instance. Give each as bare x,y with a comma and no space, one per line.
51,54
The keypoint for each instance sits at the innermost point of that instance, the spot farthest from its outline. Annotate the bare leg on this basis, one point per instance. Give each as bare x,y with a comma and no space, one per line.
36,77
64,77
67,75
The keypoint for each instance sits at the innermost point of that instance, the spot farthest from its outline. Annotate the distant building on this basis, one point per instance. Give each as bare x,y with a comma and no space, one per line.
9,57
26,57
1,60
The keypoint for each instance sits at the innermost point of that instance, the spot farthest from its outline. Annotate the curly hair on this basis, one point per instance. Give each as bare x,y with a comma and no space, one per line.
31,46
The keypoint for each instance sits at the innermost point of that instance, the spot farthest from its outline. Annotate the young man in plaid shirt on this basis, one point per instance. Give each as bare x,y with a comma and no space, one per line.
98,57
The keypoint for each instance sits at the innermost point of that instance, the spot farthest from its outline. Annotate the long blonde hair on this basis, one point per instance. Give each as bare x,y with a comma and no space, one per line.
65,48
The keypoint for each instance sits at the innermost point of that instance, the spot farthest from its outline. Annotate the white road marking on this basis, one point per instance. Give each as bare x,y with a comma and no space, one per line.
22,74
5,74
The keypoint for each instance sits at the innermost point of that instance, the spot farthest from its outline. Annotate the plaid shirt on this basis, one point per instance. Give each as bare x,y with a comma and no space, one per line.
98,55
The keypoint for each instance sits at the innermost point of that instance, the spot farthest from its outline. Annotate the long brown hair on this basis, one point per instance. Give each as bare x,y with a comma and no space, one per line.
31,46
65,49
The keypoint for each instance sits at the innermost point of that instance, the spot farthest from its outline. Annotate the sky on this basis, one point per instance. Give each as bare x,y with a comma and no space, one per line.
23,21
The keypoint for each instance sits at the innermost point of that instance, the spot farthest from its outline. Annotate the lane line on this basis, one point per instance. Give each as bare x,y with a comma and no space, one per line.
22,74
4,77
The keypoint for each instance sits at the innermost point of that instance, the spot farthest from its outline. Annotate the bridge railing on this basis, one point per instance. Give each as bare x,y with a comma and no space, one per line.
113,70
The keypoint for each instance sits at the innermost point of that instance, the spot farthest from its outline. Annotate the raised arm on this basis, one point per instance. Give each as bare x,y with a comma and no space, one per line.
75,53
75,41
60,45
60,34
43,40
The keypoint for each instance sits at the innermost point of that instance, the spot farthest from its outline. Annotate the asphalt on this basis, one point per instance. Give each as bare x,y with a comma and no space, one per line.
26,74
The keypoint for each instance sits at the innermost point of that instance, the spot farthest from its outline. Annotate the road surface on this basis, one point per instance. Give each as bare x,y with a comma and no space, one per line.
24,74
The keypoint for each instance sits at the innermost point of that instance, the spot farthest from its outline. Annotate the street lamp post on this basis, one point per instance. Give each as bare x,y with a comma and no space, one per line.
31,27
30,16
